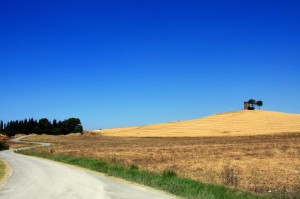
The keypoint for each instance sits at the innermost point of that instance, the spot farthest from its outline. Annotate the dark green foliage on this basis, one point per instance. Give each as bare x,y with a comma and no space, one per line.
1,126
253,103
37,130
56,131
169,174
54,124
78,129
71,125
43,126
259,103
134,167
3,146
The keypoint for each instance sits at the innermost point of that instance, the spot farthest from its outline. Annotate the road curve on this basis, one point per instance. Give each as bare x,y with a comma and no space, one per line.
33,177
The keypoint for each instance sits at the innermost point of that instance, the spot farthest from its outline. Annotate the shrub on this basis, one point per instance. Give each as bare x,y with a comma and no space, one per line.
133,167
169,173
3,146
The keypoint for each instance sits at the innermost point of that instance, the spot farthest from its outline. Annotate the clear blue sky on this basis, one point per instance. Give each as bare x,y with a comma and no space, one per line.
123,63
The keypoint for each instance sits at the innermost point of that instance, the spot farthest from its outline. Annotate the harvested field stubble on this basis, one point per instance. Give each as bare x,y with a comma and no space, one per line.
3,170
235,123
262,164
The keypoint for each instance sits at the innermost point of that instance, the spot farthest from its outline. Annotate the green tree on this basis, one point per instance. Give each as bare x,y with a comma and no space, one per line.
32,124
3,146
259,103
78,129
44,126
69,125
26,127
54,124
251,103
36,130
1,126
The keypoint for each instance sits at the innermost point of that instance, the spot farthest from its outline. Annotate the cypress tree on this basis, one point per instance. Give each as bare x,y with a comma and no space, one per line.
1,126
43,126
54,124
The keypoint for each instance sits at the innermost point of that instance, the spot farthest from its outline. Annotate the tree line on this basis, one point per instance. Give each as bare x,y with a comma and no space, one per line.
41,126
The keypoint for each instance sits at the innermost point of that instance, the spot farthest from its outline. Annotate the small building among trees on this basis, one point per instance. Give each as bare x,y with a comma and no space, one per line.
250,104
246,105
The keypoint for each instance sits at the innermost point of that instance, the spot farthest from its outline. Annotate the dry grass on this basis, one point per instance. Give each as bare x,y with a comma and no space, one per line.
19,145
237,123
3,171
258,163
241,149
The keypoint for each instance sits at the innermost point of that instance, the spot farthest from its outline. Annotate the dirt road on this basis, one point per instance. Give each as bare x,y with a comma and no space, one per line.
32,177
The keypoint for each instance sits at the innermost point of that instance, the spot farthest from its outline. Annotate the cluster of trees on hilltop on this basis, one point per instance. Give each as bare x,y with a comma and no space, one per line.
252,103
43,126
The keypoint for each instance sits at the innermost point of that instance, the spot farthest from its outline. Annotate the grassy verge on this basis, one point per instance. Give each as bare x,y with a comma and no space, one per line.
167,181
3,170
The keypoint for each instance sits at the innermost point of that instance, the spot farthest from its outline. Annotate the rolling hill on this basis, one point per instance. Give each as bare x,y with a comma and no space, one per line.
237,123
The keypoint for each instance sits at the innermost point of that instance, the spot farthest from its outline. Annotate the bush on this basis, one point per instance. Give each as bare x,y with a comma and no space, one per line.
169,174
3,146
133,167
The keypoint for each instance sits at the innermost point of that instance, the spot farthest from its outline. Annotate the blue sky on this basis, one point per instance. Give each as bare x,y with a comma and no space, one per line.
123,63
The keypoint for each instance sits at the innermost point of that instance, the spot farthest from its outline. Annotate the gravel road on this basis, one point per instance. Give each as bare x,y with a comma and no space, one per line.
34,178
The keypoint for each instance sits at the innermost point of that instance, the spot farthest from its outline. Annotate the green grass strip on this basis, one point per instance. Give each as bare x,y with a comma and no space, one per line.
183,187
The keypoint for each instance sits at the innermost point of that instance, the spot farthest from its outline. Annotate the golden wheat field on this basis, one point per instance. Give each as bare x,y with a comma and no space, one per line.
237,123
260,163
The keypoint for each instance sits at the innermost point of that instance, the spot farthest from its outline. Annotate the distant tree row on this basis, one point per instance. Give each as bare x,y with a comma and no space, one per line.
43,126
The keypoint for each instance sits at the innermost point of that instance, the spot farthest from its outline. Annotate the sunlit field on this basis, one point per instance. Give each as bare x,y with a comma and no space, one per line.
236,123
262,164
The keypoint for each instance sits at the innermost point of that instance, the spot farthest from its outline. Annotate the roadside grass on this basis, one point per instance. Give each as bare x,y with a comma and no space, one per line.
3,170
167,180
260,164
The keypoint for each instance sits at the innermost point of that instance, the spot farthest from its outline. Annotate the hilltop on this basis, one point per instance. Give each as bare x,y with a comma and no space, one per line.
237,123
